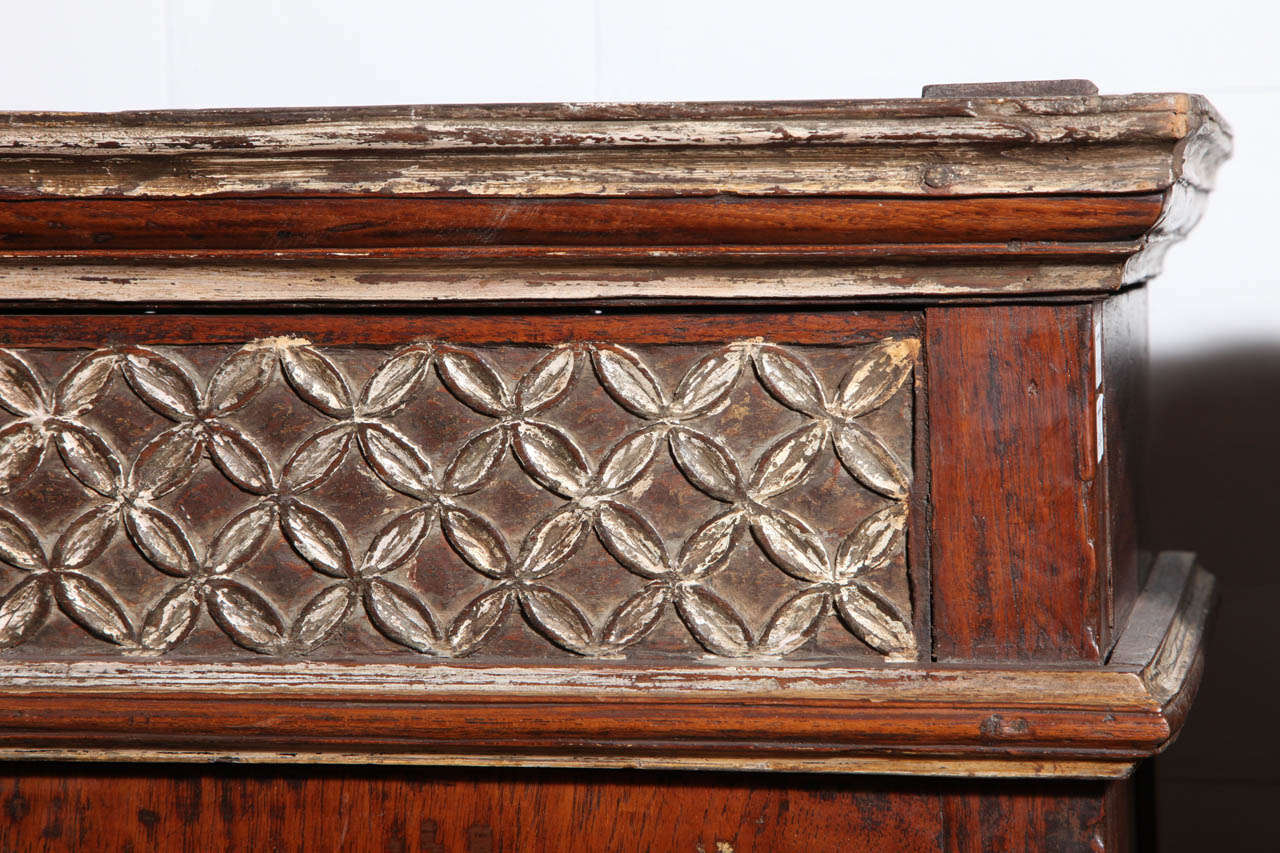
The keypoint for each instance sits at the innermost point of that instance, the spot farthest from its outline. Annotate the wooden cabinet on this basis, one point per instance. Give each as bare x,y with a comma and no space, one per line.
588,477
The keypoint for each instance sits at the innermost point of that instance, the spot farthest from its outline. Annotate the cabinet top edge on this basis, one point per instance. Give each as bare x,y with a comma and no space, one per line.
1031,119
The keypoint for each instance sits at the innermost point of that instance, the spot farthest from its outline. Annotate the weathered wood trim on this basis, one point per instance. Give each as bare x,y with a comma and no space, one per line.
941,720
1127,118
952,169
359,280
1166,627
851,167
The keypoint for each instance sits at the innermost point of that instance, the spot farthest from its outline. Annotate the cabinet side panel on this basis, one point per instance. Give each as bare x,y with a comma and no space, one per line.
1015,574
1124,383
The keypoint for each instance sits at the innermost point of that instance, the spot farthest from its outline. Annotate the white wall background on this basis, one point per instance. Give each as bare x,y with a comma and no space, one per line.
1221,293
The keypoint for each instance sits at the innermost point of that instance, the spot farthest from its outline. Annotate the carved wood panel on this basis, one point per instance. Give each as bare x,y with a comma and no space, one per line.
743,500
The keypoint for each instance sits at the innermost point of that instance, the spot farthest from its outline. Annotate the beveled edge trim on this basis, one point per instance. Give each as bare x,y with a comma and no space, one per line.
943,720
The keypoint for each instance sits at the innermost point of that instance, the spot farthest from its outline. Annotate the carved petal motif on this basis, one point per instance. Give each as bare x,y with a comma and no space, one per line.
556,618
162,384
631,540
794,546
22,447
711,620
626,461
83,384
239,379
20,390
160,540
475,461
396,542
551,458
708,548
171,619
636,616
316,380
474,382
316,458
551,542
707,384
629,381
400,616
86,538
790,380
871,462
788,461
19,545
89,459
23,610
877,538
93,607
707,464
396,460
876,378
168,461
241,538
875,619
321,616
476,541
316,538
794,622
395,382
247,617
479,619
546,382
240,460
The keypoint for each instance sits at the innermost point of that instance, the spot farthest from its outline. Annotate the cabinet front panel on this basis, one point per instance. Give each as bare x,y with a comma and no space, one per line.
501,488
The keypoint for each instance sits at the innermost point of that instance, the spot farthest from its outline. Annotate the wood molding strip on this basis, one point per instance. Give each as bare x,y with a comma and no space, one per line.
931,170
1058,720
359,280
269,225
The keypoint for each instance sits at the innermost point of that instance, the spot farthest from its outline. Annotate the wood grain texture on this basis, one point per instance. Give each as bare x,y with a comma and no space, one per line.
368,223
1015,566
120,808
62,807
1058,817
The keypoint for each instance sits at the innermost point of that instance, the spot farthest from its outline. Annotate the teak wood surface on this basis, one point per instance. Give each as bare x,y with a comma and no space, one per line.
671,459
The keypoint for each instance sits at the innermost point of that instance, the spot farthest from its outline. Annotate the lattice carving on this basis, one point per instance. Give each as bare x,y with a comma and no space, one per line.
139,491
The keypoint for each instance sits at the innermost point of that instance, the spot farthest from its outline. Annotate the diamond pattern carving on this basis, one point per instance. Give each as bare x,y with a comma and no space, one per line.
141,489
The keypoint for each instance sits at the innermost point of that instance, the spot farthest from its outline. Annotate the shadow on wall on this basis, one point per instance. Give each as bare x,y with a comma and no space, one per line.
1212,485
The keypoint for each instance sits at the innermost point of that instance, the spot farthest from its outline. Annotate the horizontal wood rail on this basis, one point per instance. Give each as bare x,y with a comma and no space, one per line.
274,224
983,721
